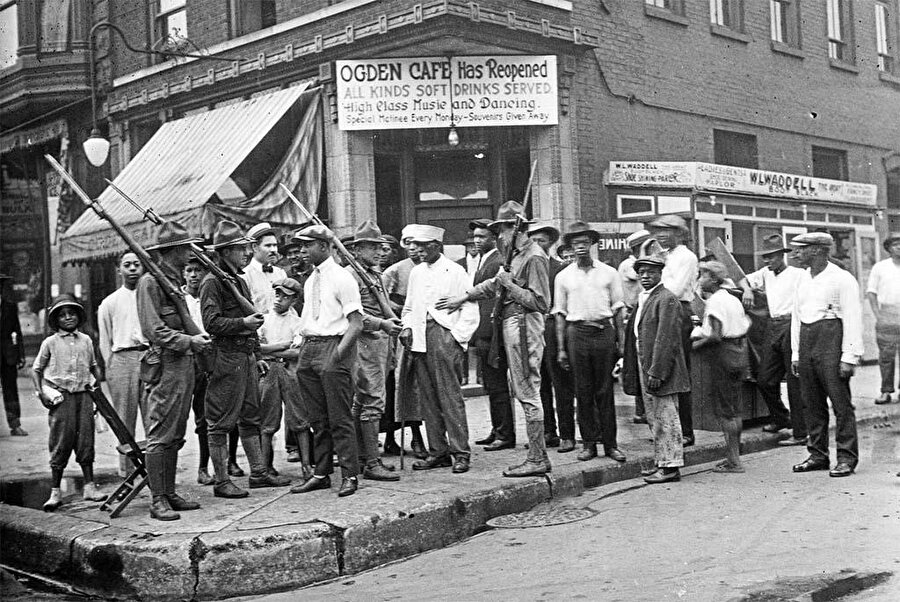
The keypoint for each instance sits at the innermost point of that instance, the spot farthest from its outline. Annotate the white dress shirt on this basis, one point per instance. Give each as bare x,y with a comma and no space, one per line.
779,288
884,281
472,262
680,273
193,305
120,327
592,294
834,293
281,328
726,308
641,300
330,295
429,282
260,284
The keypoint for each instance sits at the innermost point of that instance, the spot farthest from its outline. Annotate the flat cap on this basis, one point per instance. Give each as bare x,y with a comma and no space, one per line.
669,221
315,232
288,286
813,239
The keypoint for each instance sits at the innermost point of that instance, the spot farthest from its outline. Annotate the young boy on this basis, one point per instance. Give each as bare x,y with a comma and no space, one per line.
279,341
193,273
63,370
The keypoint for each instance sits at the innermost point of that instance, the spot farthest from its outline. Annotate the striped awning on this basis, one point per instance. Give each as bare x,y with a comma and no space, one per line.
184,173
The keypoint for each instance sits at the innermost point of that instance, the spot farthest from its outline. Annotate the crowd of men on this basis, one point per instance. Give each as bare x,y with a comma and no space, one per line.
347,341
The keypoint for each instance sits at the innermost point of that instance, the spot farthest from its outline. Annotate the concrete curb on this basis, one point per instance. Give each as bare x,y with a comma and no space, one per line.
210,565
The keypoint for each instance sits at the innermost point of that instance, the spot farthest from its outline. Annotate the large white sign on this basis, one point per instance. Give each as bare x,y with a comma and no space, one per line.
386,94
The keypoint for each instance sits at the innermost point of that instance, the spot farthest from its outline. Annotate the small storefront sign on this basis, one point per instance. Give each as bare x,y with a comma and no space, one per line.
385,94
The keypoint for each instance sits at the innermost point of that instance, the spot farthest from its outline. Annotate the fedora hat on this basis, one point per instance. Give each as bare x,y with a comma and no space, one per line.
669,221
771,244
63,300
812,239
578,229
638,238
227,234
368,231
260,230
562,248
507,214
172,234
423,234
481,222
550,229
314,232
891,239
650,254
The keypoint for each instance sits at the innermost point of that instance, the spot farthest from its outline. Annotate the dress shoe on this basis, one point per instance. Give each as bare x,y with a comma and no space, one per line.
487,440
176,502
271,470
649,471
686,440
418,450
663,476
842,469
229,490
773,427
566,445
312,484
499,444
20,432
432,462
615,454
268,480
811,464
460,465
551,441
639,419
235,471
589,452
204,478
882,399
792,441
294,456
161,510
391,449
348,486
527,469
377,472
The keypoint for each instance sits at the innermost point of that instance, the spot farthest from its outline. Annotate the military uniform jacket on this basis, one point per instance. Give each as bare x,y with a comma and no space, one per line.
159,318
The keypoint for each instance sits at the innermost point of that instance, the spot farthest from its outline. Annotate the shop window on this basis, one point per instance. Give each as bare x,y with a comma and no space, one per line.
784,23
735,149
634,205
839,15
389,193
452,177
9,34
171,25
893,189
727,13
248,16
885,36
829,163
742,245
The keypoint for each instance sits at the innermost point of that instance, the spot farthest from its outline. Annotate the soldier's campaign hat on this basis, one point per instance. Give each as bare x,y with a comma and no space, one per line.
314,232
288,286
669,221
481,222
771,244
550,229
650,254
424,234
580,229
368,231
64,300
259,230
638,238
715,268
172,234
228,234
507,215
891,239
813,239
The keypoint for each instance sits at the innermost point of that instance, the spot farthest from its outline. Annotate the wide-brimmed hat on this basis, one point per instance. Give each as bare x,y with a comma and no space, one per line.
638,238
314,232
550,229
771,244
227,234
286,243
812,239
288,286
669,221
716,268
481,222
172,234
650,254
261,229
368,231
891,239
580,229
507,214
423,234
63,300
562,248
391,240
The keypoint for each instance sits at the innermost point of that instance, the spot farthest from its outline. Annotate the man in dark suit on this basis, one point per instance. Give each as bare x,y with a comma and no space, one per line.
503,426
12,357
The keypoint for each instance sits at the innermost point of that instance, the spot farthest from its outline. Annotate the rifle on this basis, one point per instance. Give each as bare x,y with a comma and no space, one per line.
226,278
493,357
374,285
169,288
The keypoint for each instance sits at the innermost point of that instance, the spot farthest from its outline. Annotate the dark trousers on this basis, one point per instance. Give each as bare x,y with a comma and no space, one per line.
232,395
685,406
503,422
592,355
328,391
887,336
10,388
71,429
198,402
165,406
775,364
555,380
820,380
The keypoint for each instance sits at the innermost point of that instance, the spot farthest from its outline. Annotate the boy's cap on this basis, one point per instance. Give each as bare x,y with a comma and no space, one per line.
288,286
64,300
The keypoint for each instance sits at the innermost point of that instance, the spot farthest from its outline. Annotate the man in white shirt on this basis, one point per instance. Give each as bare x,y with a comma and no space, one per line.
261,273
883,293
438,339
680,277
122,344
778,282
826,344
330,325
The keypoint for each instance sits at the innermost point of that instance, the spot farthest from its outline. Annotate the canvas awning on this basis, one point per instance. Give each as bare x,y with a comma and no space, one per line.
195,170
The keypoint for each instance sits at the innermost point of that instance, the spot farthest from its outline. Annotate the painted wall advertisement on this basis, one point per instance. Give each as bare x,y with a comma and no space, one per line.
385,94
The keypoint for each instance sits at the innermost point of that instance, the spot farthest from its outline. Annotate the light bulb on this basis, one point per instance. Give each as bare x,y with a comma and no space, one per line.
452,137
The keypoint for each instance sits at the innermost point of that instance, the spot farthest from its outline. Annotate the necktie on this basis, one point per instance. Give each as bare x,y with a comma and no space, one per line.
316,293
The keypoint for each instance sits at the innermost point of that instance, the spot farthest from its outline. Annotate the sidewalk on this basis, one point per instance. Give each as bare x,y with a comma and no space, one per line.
274,540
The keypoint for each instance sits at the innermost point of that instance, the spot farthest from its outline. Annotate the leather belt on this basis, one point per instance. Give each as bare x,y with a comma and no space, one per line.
597,324
312,339
135,348
780,318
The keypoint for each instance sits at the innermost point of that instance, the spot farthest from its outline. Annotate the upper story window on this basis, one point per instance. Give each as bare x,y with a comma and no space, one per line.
55,25
839,15
171,24
735,149
676,6
9,34
248,16
829,163
893,189
727,13
784,26
884,38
